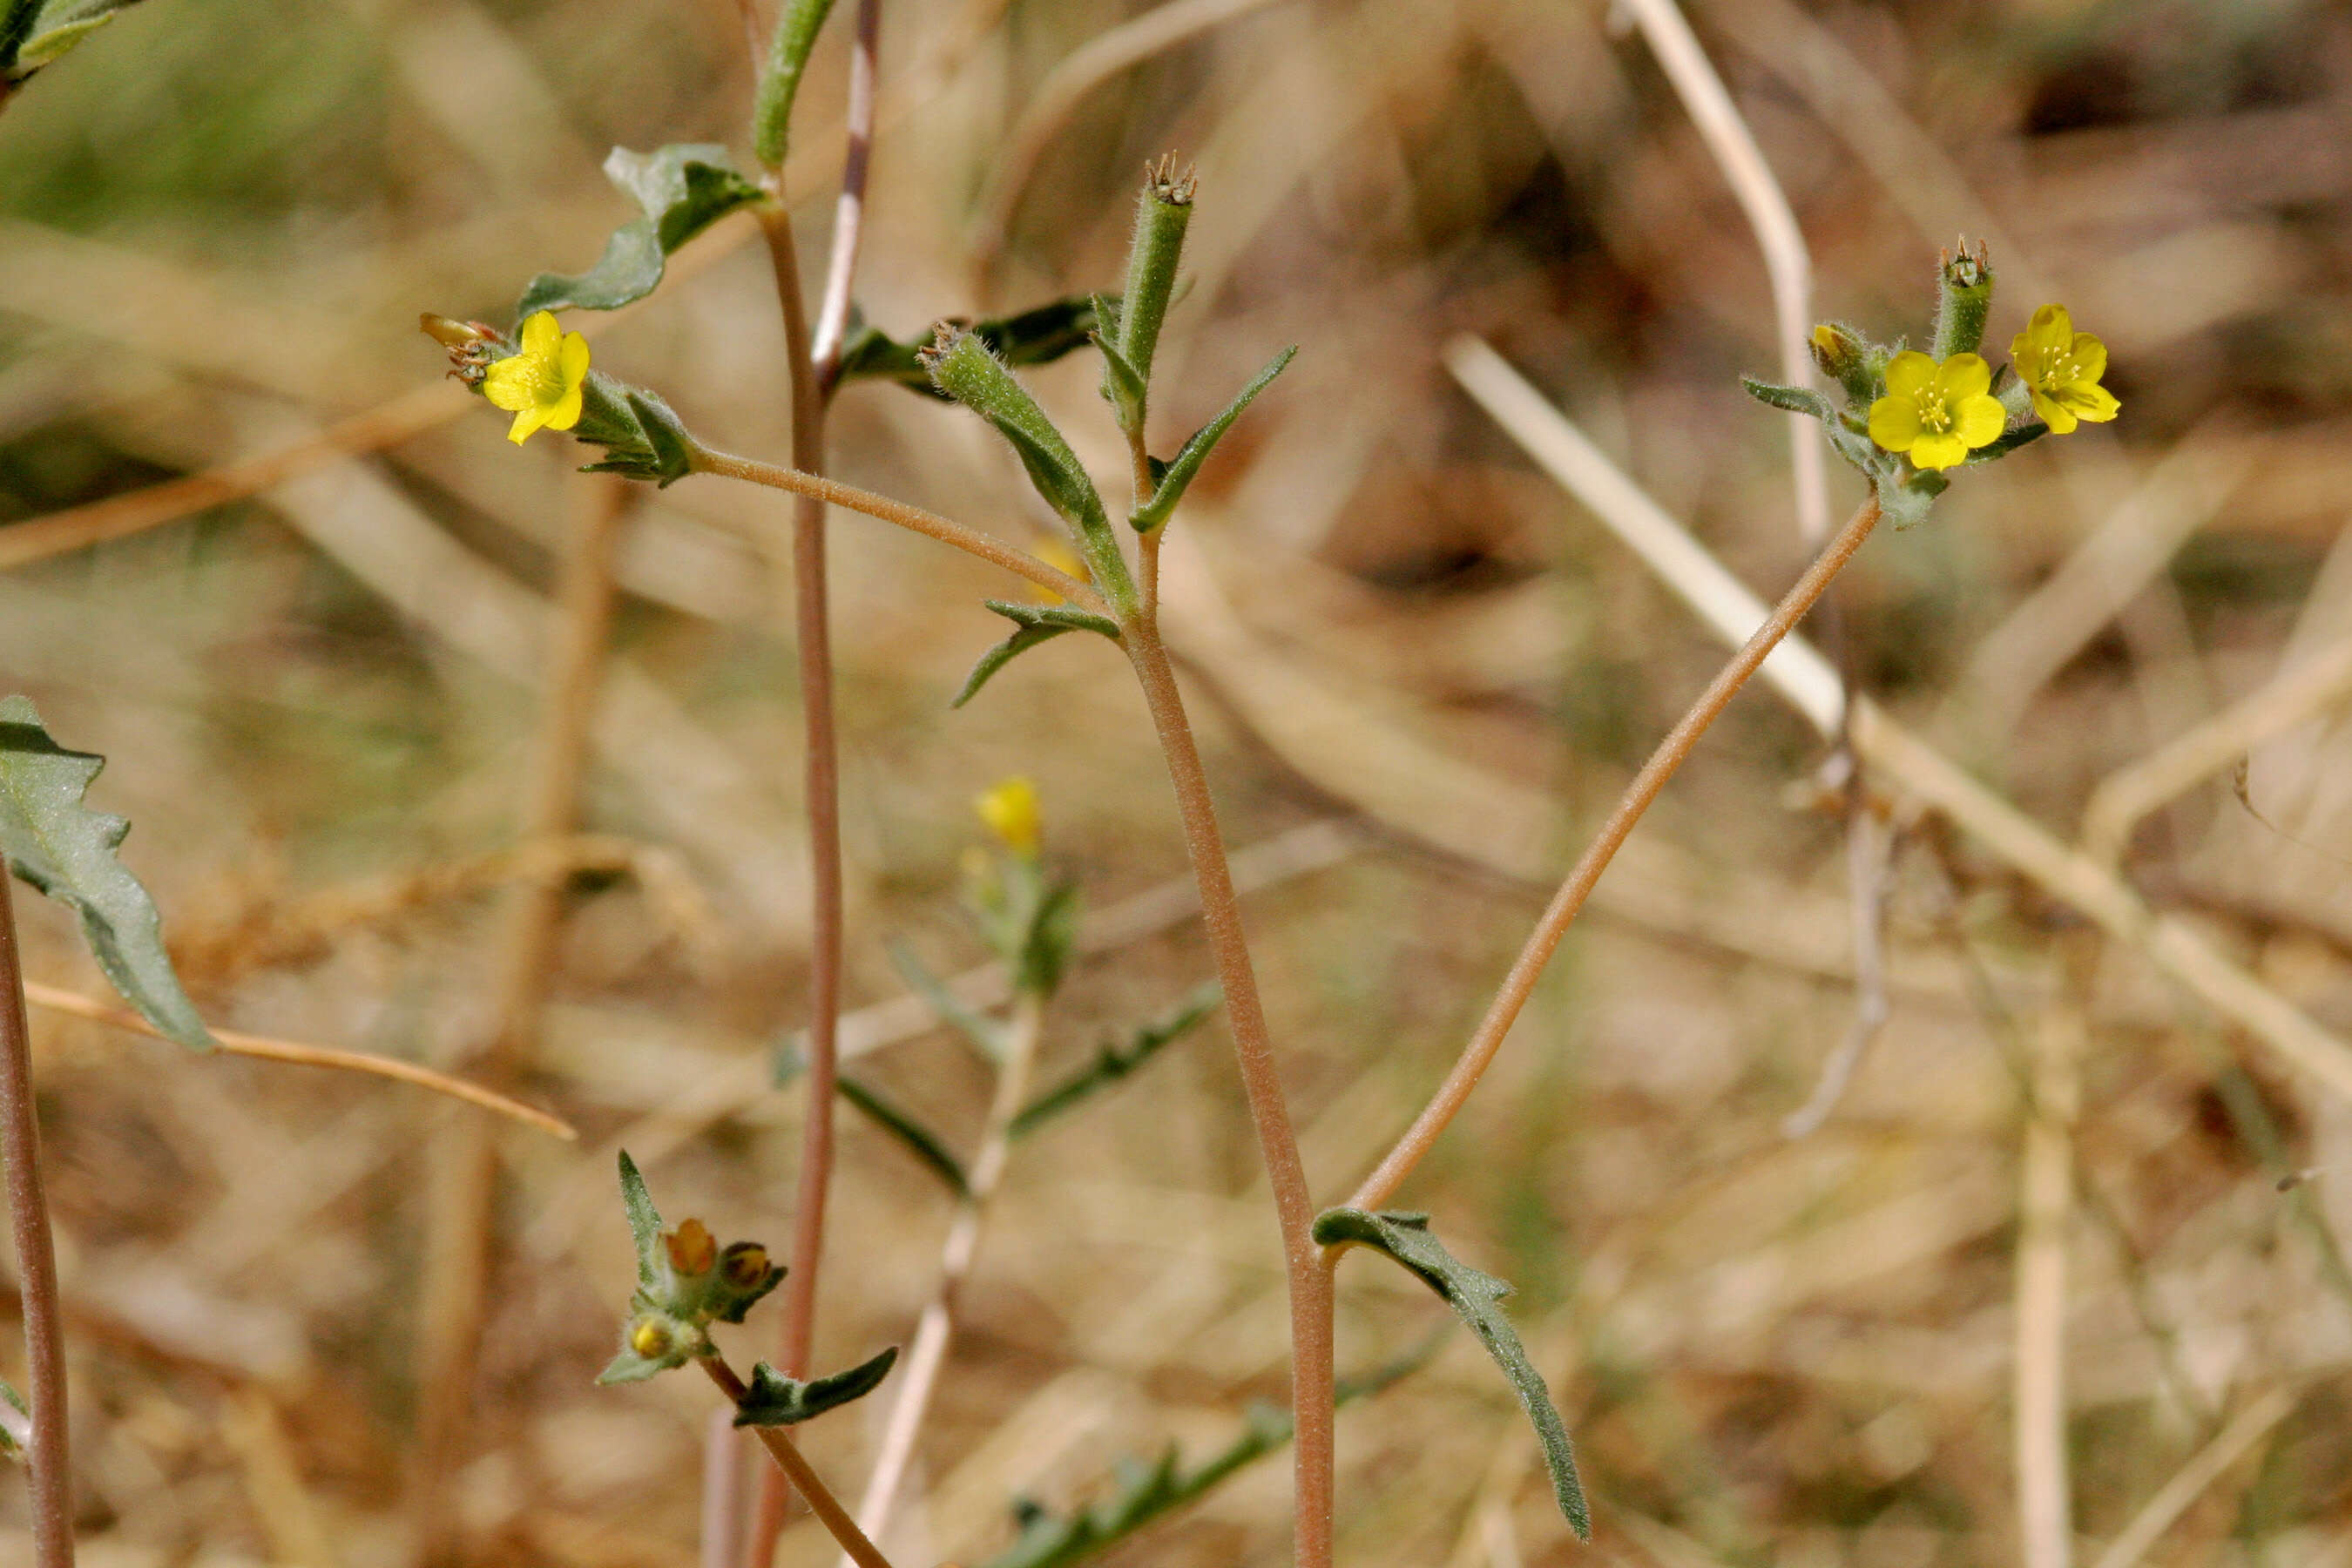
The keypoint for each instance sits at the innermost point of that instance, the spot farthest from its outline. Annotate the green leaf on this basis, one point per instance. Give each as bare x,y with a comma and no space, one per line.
1112,1063
1178,474
1032,624
644,1223
681,189
775,1400
919,1140
57,845
1791,399
1038,335
779,82
2009,441
33,33
1146,1492
1474,1295
985,1034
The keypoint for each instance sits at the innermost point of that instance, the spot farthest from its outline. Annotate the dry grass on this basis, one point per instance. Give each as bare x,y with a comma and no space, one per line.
218,224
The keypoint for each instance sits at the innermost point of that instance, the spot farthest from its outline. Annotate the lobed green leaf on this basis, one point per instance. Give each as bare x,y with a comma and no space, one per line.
57,845
775,1400
1032,624
681,190
1474,1295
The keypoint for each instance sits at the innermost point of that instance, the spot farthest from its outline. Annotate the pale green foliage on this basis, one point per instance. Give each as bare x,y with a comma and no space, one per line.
59,845
681,190
779,80
33,33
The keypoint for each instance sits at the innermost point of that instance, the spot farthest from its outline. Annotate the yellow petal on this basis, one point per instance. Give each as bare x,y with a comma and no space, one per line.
574,361
1908,373
1895,423
1965,376
2060,419
564,413
2091,401
2090,356
510,383
1937,451
2050,328
526,421
541,334
1981,421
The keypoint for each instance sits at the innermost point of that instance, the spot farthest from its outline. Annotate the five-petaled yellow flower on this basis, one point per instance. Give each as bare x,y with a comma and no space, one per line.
2061,368
1938,413
540,386
1010,812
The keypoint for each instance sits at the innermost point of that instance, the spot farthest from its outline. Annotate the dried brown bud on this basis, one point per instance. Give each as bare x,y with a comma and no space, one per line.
745,1265
692,1250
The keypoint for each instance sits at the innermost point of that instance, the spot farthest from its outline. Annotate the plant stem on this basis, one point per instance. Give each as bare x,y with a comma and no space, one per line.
1520,982
821,787
970,541
37,1263
849,212
1309,1282
928,1352
794,1465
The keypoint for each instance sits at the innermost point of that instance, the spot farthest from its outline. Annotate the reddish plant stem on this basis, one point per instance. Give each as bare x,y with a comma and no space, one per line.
849,212
792,1465
51,1479
1520,982
1309,1283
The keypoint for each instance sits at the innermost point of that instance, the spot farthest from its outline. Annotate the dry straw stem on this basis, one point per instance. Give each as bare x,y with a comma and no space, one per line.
1903,759
1057,97
2045,1211
1787,262
1528,968
263,1048
804,1480
2160,1512
460,1207
920,1375
2129,793
47,1455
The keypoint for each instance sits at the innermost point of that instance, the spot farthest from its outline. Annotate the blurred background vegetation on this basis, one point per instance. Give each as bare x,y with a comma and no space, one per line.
217,226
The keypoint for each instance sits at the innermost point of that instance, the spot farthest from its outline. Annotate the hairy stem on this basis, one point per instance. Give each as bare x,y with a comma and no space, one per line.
1308,1280
794,1467
970,541
928,1352
37,1263
1520,982
849,211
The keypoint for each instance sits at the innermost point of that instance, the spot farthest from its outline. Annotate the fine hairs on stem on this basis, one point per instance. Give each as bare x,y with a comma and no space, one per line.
37,1265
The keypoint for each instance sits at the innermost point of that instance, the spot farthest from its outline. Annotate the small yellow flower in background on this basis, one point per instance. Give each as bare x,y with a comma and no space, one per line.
1938,413
1010,812
540,386
1057,553
2061,368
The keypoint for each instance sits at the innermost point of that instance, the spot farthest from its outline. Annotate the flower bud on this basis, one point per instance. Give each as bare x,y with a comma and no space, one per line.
1844,356
651,1338
744,1265
692,1250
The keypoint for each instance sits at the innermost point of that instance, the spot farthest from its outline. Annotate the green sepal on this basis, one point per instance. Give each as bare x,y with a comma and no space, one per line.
724,1300
57,845
985,1035
33,33
644,1225
1032,624
1039,335
1963,301
1113,1062
1474,1295
641,436
1164,210
1907,494
1790,399
2009,441
775,1400
1169,481
681,189
779,80
1848,357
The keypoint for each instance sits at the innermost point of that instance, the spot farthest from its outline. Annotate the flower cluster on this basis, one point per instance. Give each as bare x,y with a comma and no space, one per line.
1908,416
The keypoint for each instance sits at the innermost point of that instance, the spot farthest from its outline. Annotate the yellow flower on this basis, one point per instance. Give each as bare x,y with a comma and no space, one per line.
1010,812
542,384
2061,367
1938,413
